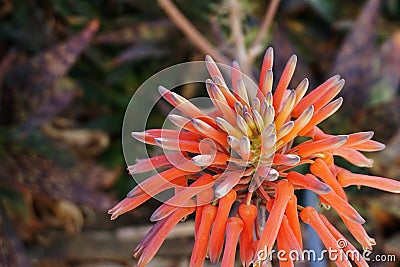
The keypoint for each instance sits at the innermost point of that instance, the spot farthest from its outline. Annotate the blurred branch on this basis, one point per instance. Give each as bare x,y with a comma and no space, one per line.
217,33
237,35
191,32
256,47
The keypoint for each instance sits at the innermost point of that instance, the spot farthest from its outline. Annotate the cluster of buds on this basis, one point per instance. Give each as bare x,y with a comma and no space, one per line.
234,168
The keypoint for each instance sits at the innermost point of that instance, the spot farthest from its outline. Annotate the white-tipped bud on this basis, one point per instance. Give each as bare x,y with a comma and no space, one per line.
290,100
269,98
214,70
249,119
358,138
140,136
220,103
245,110
202,160
245,152
209,85
269,115
268,144
242,91
201,126
262,171
216,92
228,181
292,64
289,160
179,121
243,126
286,108
227,127
233,142
335,105
263,107
186,106
220,82
306,116
255,104
340,84
161,143
328,111
268,81
329,143
301,90
258,120
178,99
269,57
270,129
162,90
284,130
272,175
236,65
238,107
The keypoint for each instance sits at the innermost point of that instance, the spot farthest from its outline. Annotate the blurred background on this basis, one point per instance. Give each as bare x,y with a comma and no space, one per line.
68,69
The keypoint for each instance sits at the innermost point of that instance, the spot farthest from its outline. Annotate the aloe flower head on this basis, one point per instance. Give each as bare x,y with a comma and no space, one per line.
234,168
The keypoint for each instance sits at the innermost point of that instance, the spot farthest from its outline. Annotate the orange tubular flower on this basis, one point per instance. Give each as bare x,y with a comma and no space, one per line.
238,161
248,213
200,245
216,242
293,219
284,191
287,242
310,216
286,239
157,239
320,168
234,227
348,247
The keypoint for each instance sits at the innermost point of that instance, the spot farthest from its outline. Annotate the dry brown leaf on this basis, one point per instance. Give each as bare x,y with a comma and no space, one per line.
30,173
31,84
69,215
85,143
356,57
